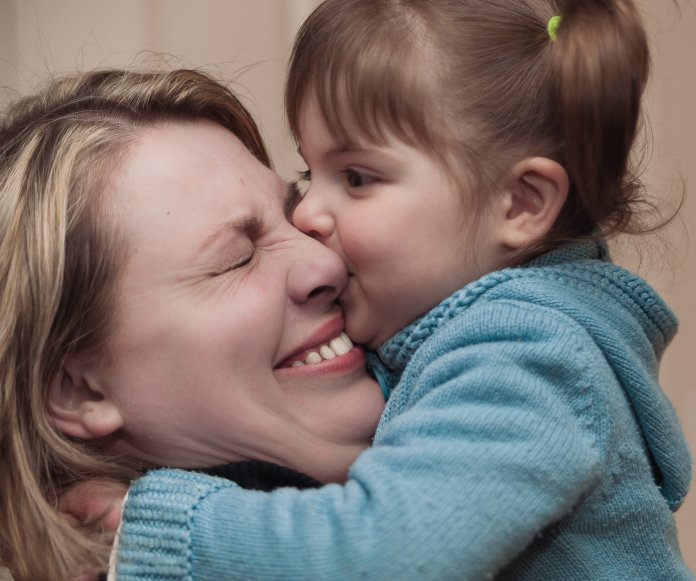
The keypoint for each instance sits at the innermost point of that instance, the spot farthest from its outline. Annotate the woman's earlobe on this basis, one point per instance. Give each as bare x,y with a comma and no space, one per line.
77,410
537,192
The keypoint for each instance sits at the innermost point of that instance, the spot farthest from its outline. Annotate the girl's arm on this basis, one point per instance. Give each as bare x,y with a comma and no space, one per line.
495,440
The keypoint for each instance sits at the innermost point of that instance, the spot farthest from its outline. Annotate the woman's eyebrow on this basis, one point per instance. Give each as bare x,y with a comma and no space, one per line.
249,226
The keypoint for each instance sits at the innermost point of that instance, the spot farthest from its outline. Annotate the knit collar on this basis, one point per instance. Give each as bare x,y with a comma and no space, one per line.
396,352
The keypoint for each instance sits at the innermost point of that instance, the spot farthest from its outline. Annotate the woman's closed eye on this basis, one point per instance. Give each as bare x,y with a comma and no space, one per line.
234,265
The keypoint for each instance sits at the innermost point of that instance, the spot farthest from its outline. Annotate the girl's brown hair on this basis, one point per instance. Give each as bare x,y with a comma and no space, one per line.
61,256
480,85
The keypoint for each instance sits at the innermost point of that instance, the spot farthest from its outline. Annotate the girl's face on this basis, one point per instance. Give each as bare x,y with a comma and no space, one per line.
219,297
403,230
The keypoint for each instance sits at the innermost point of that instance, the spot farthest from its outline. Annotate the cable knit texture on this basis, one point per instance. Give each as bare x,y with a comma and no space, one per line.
525,437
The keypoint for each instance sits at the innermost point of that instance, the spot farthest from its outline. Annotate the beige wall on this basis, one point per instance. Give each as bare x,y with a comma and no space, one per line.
247,40
42,37
671,100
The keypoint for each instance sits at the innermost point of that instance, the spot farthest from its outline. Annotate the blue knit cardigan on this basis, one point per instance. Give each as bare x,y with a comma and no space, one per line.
526,437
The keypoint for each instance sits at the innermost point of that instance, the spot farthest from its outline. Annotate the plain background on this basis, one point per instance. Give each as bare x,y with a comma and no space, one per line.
248,41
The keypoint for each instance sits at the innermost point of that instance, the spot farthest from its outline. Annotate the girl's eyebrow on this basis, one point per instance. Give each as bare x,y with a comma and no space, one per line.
356,148
381,154
338,150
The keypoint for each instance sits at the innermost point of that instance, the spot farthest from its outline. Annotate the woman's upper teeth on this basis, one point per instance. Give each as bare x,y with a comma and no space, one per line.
335,348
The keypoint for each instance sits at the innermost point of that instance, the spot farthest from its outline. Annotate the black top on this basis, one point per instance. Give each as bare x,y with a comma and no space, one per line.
257,475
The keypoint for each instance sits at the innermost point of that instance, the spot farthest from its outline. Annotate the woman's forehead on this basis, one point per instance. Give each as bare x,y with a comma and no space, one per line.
189,164
182,185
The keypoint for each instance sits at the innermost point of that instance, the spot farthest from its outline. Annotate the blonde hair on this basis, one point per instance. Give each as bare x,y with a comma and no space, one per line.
60,259
480,85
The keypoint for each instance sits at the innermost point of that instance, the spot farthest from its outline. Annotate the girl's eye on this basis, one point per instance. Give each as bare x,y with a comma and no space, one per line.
301,185
355,179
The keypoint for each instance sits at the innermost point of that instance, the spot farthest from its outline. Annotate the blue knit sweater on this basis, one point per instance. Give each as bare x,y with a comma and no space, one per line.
526,437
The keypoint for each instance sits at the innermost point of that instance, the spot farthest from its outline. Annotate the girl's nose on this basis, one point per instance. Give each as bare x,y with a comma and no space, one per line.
313,218
317,274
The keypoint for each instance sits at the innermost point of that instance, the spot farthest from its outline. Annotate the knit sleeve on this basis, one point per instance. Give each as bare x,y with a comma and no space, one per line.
495,438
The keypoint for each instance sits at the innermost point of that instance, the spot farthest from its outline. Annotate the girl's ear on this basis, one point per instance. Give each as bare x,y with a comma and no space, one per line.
77,406
532,200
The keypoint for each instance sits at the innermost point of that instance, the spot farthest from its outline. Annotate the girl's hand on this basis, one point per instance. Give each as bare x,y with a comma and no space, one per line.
96,503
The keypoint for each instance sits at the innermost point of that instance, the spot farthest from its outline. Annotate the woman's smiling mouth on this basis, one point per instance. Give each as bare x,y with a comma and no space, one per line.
337,347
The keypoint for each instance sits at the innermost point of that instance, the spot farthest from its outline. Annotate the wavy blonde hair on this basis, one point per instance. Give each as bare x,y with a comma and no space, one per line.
61,256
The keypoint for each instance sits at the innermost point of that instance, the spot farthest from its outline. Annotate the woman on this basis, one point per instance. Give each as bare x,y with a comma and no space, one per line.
157,308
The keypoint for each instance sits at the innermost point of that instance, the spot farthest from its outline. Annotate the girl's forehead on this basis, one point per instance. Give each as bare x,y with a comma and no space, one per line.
355,125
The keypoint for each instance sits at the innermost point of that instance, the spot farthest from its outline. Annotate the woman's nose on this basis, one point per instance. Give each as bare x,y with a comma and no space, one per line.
317,274
312,216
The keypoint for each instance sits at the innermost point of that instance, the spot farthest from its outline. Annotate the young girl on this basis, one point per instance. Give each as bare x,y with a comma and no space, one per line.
468,159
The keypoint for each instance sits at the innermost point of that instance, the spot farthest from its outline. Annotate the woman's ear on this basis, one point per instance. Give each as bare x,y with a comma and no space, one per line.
77,406
532,201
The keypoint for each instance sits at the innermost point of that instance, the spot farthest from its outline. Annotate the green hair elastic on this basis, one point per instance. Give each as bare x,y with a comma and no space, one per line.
552,27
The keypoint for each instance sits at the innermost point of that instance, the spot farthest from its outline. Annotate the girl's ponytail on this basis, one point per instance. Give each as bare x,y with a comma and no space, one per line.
600,66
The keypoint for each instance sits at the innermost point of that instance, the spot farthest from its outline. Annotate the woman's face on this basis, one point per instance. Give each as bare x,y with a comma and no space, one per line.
219,296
